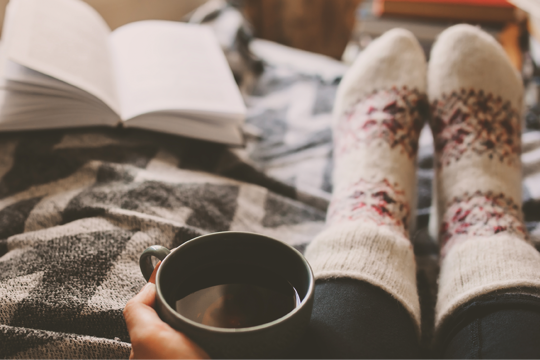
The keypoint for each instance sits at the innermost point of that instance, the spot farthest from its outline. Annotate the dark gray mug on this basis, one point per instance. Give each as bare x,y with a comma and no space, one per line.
269,340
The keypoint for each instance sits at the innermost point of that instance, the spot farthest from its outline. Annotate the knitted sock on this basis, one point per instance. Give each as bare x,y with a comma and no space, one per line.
377,120
476,99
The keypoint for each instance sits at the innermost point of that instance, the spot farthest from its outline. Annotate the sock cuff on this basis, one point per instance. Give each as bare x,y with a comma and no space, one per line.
366,252
481,265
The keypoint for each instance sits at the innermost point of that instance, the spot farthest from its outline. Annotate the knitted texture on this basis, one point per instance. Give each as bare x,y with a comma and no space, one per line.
375,145
477,211
77,209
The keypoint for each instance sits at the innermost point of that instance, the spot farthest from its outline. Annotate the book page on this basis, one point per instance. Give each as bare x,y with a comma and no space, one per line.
19,78
171,123
170,66
65,39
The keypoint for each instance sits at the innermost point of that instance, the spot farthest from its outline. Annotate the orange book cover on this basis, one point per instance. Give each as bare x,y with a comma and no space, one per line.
483,11
498,3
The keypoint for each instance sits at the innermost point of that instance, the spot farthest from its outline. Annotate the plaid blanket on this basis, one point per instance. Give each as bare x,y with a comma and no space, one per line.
78,207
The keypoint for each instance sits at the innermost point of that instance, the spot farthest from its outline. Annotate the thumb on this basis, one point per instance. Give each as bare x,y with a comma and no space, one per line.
140,309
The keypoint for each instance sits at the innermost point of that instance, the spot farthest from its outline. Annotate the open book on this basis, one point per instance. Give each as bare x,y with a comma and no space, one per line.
61,66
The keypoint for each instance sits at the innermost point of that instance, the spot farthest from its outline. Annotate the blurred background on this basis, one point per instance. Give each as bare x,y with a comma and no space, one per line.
119,12
259,34
326,26
340,29
337,28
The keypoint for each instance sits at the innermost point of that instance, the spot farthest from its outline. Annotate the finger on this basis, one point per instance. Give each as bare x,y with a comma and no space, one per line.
147,295
139,310
151,334
153,276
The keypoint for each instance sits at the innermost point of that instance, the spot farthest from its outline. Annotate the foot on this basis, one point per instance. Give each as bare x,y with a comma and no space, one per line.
476,99
377,120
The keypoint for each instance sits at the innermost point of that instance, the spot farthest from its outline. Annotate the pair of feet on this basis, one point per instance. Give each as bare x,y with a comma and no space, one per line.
475,97
471,96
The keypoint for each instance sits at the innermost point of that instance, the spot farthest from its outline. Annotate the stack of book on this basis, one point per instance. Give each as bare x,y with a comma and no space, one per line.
476,11
426,19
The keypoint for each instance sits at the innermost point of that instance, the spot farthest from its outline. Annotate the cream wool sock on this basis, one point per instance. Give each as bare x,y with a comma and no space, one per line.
377,121
476,99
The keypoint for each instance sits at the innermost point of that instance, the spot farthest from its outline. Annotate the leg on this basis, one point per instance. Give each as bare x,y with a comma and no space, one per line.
377,120
499,326
485,254
354,319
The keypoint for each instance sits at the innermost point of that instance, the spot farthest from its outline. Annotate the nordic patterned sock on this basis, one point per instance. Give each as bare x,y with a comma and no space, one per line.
378,114
476,98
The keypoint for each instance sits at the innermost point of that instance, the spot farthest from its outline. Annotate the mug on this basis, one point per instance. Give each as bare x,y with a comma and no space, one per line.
222,250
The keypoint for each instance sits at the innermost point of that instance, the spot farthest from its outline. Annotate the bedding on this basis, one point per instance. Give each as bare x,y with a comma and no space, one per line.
78,207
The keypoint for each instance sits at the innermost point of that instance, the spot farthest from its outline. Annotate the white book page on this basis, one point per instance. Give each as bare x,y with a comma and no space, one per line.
65,39
16,73
173,67
21,79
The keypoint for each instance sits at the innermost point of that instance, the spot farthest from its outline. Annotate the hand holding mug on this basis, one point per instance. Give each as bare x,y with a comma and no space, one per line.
236,294
151,338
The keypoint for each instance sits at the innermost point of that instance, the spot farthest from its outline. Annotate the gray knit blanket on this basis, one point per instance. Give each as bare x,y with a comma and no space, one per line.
78,207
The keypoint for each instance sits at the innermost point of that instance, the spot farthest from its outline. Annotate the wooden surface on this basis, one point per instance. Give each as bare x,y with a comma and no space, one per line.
321,26
119,12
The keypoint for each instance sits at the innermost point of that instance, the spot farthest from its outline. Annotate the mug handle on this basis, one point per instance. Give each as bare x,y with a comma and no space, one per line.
145,261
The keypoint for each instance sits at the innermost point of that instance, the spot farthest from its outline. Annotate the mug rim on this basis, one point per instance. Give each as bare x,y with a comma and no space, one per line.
264,326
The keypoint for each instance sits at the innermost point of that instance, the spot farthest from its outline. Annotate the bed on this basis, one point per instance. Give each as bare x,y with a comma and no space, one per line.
78,207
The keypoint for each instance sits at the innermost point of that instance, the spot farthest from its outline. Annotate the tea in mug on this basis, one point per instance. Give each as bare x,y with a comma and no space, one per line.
235,296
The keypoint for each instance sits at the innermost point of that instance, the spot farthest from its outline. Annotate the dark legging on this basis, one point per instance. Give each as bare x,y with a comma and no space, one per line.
505,326
354,319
